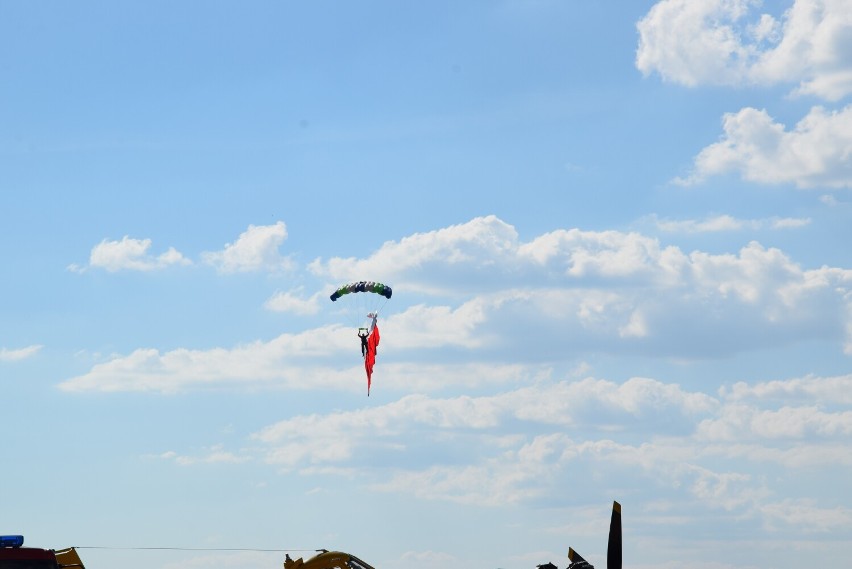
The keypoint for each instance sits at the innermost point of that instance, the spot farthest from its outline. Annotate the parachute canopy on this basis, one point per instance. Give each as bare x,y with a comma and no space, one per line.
362,286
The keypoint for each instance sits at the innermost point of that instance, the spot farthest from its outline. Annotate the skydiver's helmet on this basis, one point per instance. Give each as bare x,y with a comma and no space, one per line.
362,332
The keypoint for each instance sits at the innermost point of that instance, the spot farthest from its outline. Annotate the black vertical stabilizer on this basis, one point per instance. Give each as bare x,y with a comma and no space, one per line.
613,548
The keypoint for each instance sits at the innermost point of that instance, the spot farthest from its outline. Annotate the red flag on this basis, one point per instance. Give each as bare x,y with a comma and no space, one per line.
370,358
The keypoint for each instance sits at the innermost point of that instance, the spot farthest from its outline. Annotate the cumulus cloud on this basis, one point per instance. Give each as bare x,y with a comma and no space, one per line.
514,476
695,42
315,359
13,355
728,42
512,308
816,153
530,440
423,260
130,254
821,390
276,364
517,469
562,293
739,422
257,248
795,408
338,437
608,289
485,254
560,403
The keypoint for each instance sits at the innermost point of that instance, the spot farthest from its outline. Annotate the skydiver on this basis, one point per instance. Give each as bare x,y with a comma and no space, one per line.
373,316
364,333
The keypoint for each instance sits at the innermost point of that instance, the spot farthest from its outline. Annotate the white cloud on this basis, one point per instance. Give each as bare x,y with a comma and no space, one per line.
813,49
726,42
779,453
7,355
214,455
511,477
695,42
130,254
820,390
519,445
594,288
729,490
798,408
829,200
523,443
485,254
276,364
606,254
712,224
294,302
817,153
437,326
788,222
647,300
740,422
422,261
313,439
325,358
532,305
720,223
255,249
816,519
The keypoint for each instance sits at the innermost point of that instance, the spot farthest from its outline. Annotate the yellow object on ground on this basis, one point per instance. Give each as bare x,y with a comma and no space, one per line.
68,558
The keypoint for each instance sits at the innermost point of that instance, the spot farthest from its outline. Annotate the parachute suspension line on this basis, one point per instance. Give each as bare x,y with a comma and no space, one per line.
365,324
381,306
361,298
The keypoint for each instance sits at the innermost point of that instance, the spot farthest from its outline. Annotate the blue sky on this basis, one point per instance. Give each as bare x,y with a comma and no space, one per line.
617,233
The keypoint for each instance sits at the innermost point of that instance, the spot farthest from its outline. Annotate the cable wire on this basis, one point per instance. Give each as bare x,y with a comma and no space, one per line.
194,549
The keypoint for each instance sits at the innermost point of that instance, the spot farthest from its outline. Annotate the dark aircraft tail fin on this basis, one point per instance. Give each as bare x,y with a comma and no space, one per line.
613,548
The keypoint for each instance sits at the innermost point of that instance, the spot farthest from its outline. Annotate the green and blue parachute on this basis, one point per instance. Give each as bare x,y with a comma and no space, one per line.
363,286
